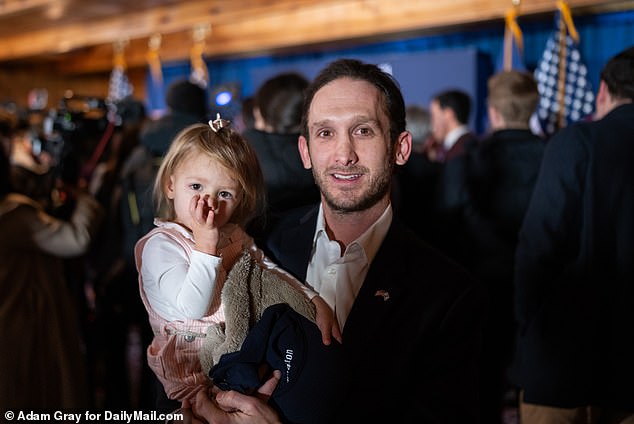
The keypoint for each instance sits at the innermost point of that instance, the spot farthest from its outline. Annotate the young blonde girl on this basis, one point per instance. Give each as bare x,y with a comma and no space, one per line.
208,187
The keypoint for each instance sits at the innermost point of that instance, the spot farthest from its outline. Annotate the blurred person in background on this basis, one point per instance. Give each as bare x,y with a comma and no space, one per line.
41,361
246,119
278,113
574,267
417,179
500,175
450,111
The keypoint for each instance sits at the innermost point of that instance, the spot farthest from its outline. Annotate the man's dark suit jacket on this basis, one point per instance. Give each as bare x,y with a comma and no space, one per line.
500,174
574,276
460,146
448,233
413,356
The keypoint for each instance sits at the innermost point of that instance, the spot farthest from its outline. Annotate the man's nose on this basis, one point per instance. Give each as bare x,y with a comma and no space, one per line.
345,153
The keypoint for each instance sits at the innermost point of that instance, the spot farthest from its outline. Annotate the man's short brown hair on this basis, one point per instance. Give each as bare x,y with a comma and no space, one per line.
513,95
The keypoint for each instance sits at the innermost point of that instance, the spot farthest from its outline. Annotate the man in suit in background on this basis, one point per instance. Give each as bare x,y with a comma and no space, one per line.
450,112
411,320
500,175
574,275
416,180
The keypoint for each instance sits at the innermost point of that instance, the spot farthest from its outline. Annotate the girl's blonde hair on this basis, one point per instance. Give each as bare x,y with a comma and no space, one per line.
231,150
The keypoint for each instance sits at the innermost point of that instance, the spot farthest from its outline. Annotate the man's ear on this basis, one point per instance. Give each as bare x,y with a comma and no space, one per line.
302,145
403,148
495,118
603,101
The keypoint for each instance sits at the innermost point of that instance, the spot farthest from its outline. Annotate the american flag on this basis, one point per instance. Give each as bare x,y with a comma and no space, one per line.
563,98
120,86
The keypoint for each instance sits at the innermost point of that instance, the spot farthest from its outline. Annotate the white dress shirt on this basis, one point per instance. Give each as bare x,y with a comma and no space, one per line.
336,277
453,136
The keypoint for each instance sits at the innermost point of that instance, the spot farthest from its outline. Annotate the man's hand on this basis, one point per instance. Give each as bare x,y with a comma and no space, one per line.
233,407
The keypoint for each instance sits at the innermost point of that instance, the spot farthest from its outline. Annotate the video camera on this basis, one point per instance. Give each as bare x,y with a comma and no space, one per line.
70,133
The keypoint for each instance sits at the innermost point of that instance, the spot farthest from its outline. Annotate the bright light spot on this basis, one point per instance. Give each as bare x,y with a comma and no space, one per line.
223,98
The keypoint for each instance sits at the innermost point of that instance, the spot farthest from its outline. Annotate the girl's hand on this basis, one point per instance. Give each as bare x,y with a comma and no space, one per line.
326,321
206,232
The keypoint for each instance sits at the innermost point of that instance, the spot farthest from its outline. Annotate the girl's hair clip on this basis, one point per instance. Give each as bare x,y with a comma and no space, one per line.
218,123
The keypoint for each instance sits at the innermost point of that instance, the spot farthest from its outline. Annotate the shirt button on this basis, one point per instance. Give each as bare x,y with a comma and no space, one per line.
331,271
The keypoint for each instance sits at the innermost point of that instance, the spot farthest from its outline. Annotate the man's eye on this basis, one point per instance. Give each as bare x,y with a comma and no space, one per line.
324,133
195,186
364,131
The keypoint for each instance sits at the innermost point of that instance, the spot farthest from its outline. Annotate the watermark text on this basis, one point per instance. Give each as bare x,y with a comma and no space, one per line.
89,416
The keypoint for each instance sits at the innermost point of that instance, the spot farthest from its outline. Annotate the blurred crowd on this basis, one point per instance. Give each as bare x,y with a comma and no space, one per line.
75,196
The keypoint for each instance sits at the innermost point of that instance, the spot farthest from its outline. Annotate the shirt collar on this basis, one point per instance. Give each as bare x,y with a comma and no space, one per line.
174,226
454,135
370,241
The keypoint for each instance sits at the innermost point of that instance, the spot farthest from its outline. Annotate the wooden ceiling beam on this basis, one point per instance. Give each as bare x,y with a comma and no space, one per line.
250,27
182,17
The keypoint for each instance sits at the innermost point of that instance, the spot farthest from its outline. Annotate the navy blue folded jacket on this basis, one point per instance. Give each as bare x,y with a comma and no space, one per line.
314,376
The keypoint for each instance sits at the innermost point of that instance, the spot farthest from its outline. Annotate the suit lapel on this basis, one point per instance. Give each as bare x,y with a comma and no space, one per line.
299,238
379,293
381,290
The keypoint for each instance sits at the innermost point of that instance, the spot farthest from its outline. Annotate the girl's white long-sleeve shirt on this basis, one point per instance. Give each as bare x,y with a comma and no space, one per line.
179,286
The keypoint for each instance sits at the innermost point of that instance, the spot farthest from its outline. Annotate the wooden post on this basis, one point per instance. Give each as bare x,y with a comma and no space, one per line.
508,48
561,81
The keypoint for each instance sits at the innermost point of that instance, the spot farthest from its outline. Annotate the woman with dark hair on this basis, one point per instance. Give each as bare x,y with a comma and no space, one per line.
278,114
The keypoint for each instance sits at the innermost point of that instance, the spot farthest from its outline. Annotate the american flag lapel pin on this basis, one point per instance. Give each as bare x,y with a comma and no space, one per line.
384,294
